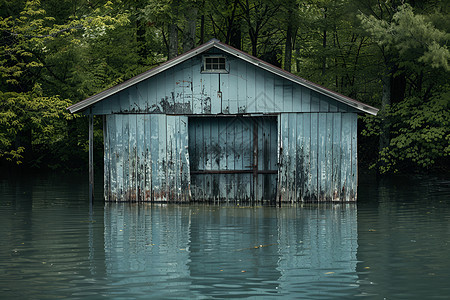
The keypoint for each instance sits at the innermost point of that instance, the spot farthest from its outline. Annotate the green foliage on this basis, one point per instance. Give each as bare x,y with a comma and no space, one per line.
411,35
420,133
43,63
45,117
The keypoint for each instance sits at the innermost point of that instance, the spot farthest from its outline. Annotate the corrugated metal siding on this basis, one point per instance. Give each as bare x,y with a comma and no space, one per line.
146,158
183,89
318,157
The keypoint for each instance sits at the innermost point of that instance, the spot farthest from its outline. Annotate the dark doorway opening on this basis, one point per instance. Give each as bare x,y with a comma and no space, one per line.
233,158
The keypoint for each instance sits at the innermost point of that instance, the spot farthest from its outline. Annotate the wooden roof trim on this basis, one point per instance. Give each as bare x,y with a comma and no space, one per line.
235,52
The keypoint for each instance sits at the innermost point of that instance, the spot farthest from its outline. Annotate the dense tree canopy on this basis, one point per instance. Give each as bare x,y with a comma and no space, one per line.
391,54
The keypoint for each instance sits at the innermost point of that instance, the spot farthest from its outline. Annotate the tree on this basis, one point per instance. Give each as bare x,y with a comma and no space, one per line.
415,52
35,53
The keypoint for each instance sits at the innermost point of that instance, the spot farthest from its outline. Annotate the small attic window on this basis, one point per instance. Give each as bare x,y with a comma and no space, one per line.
214,64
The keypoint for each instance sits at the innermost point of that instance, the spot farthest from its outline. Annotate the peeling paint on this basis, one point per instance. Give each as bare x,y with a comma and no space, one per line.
311,146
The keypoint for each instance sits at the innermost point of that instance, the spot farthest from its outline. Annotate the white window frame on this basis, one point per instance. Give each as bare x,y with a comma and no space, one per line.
214,71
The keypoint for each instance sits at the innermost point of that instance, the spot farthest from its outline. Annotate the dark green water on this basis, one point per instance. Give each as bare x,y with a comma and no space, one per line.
394,244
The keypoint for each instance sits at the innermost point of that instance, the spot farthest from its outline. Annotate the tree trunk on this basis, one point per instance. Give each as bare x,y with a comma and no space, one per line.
324,44
288,47
189,29
385,122
173,32
202,29
254,41
173,40
235,36
141,40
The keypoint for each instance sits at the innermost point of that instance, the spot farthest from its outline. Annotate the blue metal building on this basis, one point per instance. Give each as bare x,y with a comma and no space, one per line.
217,124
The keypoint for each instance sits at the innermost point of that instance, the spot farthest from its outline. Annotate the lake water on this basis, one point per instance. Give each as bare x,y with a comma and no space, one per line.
393,244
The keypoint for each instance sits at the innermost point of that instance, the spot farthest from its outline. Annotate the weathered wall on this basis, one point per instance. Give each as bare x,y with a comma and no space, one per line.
183,89
146,158
147,135
233,158
318,157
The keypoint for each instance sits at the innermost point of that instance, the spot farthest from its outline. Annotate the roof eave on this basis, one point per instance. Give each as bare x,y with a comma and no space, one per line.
80,106
77,107
289,76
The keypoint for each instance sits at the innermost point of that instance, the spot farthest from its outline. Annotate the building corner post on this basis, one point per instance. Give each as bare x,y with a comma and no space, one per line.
91,156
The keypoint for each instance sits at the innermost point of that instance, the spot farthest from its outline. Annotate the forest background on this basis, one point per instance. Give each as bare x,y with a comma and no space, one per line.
393,55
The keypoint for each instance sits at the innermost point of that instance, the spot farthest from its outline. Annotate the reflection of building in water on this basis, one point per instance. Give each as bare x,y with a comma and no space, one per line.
218,251
317,250
233,251
146,248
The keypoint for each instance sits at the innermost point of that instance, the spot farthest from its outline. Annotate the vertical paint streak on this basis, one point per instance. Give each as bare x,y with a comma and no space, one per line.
336,178
239,158
299,158
223,127
106,161
133,158
112,189
171,161
329,157
185,172
201,158
162,158
354,155
292,172
322,156
345,155
273,165
148,158
314,156
234,157
307,157
154,150
285,159
278,187
126,157
119,150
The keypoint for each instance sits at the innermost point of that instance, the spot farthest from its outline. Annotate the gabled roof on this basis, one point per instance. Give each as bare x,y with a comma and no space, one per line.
82,105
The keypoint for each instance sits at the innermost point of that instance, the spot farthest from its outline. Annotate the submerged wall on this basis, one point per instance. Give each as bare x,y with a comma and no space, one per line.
318,157
146,158
299,157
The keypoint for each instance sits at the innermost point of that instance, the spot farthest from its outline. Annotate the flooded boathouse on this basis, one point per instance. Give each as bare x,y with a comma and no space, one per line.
217,124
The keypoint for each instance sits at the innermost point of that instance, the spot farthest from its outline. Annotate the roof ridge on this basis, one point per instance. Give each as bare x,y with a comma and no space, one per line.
233,51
